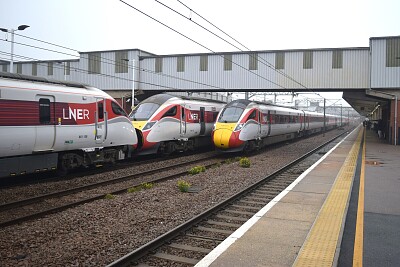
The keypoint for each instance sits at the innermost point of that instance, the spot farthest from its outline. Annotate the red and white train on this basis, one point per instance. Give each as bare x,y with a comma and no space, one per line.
47,125
169,123
247,125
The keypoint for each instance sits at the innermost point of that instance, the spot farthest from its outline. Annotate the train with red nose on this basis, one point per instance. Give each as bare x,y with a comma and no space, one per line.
245,125
167,123
49,125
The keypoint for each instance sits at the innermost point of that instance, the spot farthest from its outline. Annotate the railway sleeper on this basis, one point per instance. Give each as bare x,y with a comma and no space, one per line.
190,248
239,212
214,230
255,203
223,223
245,207
205,238
169,257
259,199
264,196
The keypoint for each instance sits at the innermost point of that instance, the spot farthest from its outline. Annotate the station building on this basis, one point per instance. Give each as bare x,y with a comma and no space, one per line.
369,77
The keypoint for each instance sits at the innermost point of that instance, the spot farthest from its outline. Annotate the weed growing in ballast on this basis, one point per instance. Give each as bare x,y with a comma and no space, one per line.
183,186
197,169
244,162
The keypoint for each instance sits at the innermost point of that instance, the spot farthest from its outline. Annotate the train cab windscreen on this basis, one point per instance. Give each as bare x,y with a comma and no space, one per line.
230,114
143,111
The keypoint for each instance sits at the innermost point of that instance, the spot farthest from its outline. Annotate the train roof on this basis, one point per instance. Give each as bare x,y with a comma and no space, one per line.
243,103
21,77
157,99
162,98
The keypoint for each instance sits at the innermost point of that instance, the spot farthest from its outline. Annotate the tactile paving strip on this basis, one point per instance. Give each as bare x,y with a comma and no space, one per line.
320,245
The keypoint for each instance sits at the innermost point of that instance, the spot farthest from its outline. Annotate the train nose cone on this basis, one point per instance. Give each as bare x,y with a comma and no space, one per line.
222,137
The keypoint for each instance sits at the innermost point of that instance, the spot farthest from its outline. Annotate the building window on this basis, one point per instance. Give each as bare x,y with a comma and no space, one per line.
280,60
253,61
393,52
4,68
50,68
159,63
204,63
180,64
307,60
94,63
34,69
121,62
67,68
19,68
228,62
337,59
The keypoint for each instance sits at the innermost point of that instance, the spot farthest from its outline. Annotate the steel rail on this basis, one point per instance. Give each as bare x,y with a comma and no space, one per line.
99,196
134,256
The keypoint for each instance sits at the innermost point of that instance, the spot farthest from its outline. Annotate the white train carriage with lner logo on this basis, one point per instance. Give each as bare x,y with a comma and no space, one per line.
48,124
169,123
249,125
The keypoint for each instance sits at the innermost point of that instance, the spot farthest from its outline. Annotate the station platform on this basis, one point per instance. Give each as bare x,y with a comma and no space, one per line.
343,211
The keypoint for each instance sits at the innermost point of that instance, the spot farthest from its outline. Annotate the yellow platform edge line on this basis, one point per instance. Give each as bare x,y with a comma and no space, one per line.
321,243
359,235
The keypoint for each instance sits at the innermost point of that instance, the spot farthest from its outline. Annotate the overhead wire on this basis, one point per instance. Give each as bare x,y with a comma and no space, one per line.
141,69
110,61
187,37
106,61
82,70
264,60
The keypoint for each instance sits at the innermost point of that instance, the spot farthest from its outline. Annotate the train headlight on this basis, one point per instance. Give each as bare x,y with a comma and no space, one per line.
149,125
239,127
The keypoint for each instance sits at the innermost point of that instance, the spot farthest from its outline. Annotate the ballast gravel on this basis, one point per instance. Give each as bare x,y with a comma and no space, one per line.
98,233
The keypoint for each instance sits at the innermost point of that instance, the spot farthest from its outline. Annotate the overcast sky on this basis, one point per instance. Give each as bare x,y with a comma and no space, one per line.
93,25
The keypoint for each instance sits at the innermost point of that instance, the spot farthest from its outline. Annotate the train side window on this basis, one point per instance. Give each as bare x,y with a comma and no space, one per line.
252,115
183,114
171,112
100,110
44,111
215,115
264,118
117,109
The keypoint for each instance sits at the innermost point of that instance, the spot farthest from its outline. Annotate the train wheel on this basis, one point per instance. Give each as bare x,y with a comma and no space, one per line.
247,147
68,162
166,148
252,145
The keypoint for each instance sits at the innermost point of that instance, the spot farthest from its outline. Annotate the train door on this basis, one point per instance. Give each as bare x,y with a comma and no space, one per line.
259,123
183,121
269,122
302,121
202,121
46,130
100,121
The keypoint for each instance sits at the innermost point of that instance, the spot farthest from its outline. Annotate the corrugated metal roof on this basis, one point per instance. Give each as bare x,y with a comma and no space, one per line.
256,51
115,50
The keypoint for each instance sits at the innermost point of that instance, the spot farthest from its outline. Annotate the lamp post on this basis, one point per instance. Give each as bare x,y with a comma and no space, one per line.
20,28
134,79
341,115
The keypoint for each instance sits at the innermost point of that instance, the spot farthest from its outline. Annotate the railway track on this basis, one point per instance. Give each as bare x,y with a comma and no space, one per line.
52,176
188,243
35,207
